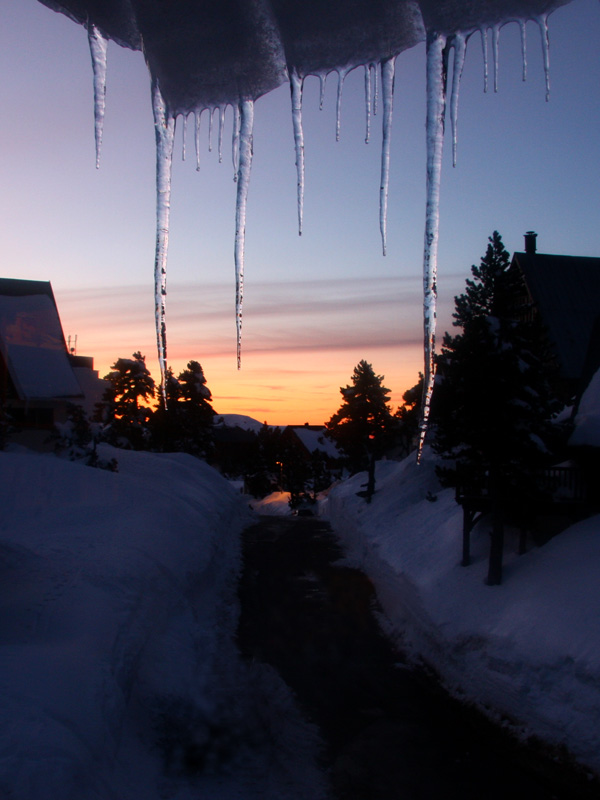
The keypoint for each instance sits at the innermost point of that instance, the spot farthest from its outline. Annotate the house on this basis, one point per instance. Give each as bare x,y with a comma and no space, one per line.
38,376
565,292
310,440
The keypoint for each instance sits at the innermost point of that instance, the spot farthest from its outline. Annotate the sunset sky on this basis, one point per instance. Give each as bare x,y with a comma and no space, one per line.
317,304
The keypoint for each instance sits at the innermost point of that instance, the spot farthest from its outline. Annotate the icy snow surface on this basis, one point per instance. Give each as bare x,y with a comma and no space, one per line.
528,650
117,615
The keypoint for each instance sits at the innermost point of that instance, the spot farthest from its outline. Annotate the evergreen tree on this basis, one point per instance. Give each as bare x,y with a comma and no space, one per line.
122,410
408,414
362,426
186,424
493,401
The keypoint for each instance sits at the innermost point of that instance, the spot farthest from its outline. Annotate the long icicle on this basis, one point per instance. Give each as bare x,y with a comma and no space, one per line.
387,84
368,101
460,49
338,107
235,141
296,86
197,115
436,111
542,21
211,111
98,51
184,137
484,51
495,53
524,47
221,129
322,82
243,181
164,129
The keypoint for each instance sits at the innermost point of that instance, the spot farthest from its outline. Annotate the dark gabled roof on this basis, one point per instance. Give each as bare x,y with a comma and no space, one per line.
32,343
566,291
14,287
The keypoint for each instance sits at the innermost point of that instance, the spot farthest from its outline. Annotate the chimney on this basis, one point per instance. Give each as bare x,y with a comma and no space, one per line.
530,244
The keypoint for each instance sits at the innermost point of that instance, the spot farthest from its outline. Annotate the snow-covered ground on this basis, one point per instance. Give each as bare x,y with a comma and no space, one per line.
526,652
118,669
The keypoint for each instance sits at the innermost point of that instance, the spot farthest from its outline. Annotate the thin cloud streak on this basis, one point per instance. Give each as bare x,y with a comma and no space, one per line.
288,316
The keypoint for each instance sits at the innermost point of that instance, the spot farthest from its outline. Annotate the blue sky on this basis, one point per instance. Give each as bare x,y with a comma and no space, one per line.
314,305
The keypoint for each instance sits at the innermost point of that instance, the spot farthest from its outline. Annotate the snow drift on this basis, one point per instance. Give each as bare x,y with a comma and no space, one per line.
119,676
526,652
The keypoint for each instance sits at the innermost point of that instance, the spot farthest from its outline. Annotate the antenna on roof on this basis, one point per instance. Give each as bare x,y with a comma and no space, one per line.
72,348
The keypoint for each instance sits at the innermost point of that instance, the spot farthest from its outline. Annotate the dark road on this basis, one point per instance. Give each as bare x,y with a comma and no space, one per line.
390,732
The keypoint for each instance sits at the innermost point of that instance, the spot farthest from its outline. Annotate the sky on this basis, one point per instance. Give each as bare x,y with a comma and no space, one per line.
315,305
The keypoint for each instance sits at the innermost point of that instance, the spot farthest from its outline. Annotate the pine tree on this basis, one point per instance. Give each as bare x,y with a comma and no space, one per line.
407,416
123,407
493,400
362,425
187,423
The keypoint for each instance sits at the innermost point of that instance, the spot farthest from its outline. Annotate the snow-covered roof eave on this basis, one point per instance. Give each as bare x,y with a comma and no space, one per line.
203,55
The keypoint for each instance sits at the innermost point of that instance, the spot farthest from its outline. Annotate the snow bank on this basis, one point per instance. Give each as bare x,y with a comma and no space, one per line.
118,671
526,652
587,420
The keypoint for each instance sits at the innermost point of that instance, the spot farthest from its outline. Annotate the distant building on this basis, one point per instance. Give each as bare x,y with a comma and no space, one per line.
310,440
38,376
565,292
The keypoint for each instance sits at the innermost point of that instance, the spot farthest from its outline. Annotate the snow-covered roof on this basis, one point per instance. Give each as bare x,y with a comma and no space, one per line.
315,440
238,421
32,343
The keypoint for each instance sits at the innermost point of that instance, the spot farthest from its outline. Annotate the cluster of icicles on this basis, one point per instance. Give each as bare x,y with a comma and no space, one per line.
438,50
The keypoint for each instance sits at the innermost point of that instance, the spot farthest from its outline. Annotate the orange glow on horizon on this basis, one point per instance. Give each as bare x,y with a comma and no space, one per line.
284,387
295,358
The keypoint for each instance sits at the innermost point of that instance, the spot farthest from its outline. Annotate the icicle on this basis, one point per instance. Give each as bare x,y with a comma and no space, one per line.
387,83
98,50
235,140
542,21
524,47
460,49
296,86
495,40
164,129
322,82
484,49
376,90
246,113
221,129
183,137
210,128
436,109
338,108
197,115
368,100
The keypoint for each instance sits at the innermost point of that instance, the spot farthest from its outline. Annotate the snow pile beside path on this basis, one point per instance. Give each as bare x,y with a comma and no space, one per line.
587,420
528,650
117,613
276,504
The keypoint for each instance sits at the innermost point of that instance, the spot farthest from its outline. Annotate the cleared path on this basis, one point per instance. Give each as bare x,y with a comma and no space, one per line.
390,732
